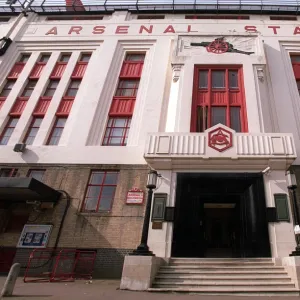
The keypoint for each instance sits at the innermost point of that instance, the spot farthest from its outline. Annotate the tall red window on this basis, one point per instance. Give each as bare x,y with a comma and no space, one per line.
296,67
218,97
57,130
32,130
39,66
8,130
100,191
6,90
19,66
123,102
60,66
21,101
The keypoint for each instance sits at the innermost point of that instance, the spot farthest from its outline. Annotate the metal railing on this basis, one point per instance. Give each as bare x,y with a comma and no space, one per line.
57,6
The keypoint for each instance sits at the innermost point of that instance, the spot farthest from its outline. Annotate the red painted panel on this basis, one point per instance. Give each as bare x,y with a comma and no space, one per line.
122,106
65,106
235,98
19,106
218,98
202,98
16,70
37,70
79,70
58,70
42,106
132,69
296,68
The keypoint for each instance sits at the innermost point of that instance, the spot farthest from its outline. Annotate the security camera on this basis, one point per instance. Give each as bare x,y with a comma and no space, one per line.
266,170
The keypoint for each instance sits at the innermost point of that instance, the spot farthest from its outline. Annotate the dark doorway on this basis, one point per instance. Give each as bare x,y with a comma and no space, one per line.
220,215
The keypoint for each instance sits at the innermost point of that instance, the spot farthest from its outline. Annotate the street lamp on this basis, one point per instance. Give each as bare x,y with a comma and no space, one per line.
292,185
143,248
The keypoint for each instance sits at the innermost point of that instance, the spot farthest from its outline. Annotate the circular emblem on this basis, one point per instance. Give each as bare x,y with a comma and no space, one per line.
220,139
218,46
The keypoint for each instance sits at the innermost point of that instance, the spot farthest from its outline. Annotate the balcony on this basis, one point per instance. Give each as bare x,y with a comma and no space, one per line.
220,148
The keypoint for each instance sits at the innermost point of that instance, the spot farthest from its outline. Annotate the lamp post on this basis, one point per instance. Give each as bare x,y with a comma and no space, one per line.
143,248
292,185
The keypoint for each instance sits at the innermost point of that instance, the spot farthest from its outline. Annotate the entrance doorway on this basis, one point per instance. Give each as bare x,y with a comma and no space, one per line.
220,215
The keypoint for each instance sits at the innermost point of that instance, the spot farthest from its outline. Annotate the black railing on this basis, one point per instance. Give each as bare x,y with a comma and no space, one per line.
201,6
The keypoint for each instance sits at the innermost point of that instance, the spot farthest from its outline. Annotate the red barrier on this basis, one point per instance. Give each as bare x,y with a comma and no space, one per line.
54,265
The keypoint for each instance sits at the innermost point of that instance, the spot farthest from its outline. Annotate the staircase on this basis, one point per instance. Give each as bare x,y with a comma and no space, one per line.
254,276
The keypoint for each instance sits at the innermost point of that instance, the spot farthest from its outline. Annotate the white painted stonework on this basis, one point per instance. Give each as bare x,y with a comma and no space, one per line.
160,129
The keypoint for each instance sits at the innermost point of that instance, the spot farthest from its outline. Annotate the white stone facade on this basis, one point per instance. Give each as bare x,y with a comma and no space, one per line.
164,100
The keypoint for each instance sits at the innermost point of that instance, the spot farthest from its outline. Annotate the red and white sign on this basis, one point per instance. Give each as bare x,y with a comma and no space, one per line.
135,196
220,139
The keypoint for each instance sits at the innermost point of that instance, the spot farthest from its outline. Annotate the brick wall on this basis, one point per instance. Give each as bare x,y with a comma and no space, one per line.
113,234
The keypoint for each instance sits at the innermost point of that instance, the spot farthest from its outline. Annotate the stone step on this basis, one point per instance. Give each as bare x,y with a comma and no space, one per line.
219,259
218,284
214,267
221,264
222,272
255,277
230,291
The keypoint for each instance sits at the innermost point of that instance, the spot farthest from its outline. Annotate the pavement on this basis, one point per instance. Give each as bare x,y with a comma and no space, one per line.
106,290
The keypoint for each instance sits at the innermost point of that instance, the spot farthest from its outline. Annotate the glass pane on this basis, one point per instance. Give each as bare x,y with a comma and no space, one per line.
117,132
13,122
115,141
29,140
295,58
203,79
71,92
235,121
65,58
37,174
53,84
75,84
24,58
218,79
9,85
120,122
37,122
61,122
108,192
5,93
33,131
111,178
49,93
201,119
93,192
44,58
105,204
27,93
85,57
91,204
4,140
218,115
135,57
97,178
233,79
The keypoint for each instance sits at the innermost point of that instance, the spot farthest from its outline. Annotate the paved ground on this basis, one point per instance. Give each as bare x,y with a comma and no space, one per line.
104,290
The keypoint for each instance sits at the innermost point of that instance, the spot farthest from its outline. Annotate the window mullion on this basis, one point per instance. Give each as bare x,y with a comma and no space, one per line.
101,190
209,84
227,98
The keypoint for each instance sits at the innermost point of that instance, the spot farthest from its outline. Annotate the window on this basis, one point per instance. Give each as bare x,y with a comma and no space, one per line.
44,58
51,88
36,174
218,98
85,57
71,18
298,86
283,18
295,59
57,130
32,130
153,17
296,68
65,58
217,17
128,87
73,88
7,88
100,191
8,172
8,130
116,133
135,57
29,88
24,58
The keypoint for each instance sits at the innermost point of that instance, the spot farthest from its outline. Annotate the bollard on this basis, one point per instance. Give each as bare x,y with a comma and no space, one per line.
11,280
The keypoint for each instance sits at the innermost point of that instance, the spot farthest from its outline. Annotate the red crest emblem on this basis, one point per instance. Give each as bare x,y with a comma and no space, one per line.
220,139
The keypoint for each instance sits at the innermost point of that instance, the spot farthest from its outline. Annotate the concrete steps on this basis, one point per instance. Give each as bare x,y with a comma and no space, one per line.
224,277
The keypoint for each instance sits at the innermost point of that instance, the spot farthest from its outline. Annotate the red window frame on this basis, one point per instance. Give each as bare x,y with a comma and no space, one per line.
7,127
122,89
30,86
50,88
208,94
5,87
101,185
40,173
8,172
53,140
30,135
112,131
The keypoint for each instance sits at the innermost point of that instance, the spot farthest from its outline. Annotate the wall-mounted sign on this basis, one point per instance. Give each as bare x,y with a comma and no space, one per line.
135,196
34,236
